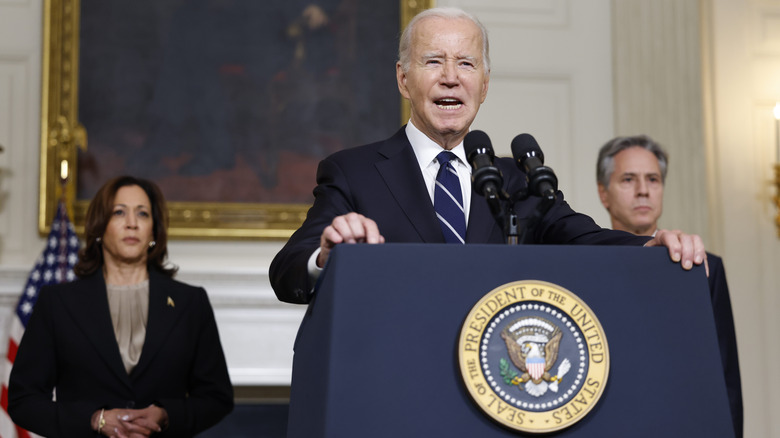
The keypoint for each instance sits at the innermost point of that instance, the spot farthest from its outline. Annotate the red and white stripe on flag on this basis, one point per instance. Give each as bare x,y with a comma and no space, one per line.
535,367
55,265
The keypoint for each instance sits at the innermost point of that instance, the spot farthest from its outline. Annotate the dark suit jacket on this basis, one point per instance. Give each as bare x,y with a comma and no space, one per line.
383,182
69,345
727,338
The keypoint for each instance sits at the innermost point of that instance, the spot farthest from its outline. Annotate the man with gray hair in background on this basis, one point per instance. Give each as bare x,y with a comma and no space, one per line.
631,172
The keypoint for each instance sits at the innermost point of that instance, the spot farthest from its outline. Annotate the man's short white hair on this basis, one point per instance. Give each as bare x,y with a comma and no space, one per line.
405,44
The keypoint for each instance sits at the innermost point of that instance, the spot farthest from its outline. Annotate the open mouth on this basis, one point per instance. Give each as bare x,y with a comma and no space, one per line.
448,103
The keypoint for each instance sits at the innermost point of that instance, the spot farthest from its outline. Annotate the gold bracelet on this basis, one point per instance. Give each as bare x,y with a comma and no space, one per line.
101,421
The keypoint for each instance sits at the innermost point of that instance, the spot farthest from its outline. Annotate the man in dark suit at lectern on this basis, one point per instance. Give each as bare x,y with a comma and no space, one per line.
631,172
394,191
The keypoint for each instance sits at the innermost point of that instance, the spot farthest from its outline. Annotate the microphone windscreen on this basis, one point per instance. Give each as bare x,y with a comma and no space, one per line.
477,140
524,146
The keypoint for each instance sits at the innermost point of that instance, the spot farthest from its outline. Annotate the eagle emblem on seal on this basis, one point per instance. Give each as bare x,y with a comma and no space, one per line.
532,344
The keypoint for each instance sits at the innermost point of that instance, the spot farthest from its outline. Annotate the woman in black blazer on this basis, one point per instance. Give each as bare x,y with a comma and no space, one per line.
125,350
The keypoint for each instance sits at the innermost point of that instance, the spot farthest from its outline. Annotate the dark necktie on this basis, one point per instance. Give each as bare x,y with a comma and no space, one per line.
448,201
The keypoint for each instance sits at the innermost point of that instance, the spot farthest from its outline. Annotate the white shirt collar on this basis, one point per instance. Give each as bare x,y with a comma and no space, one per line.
426,149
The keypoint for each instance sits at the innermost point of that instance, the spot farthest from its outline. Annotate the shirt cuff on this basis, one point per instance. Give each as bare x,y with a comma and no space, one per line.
314,270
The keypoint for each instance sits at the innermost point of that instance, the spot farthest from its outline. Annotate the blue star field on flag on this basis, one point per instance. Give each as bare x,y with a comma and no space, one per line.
55,265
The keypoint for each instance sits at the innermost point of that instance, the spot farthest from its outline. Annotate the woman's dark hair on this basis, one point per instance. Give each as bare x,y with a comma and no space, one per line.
99,214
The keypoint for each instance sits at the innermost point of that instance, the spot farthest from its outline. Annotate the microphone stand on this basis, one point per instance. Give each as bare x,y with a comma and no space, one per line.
506,217
514,232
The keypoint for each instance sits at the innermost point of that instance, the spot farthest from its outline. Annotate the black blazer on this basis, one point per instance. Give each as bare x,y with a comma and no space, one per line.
383,182
69,346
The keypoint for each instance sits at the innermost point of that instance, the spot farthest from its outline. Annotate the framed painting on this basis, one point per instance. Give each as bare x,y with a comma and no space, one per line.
228,105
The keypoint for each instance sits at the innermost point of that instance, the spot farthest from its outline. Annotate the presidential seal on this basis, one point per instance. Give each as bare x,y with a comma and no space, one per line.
533,356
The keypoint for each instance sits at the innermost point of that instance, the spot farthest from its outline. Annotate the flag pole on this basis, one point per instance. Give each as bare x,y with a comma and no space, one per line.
64,222
64,177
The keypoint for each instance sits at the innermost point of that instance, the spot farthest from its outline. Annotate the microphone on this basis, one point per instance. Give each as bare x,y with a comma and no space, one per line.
485,177
529,157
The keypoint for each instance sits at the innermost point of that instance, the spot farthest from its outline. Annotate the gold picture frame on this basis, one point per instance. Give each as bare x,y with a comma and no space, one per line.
62,135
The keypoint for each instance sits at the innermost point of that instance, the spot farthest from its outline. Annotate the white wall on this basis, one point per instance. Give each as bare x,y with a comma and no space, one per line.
744,65
20,73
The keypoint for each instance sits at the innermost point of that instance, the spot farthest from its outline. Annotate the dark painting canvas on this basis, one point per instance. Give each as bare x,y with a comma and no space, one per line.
232,100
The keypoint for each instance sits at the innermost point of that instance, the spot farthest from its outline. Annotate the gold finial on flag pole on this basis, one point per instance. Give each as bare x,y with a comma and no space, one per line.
64,141
64,183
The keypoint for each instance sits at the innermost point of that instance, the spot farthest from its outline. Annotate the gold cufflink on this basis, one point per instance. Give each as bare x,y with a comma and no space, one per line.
170,302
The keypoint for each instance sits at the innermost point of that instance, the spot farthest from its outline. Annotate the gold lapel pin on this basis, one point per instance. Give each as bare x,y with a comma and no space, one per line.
170,302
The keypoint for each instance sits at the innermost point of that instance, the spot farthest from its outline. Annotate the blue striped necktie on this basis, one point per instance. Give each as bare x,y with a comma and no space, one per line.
448,200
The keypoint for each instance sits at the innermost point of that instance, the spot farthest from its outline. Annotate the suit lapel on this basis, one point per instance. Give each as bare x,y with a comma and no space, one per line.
401,173
166,306
90,311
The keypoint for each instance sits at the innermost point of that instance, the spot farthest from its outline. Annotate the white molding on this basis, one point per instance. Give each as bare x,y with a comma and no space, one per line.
541,105
15,99
765,30
14,3
526,13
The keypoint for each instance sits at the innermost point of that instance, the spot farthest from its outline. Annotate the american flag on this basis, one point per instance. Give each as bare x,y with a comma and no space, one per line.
55,265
